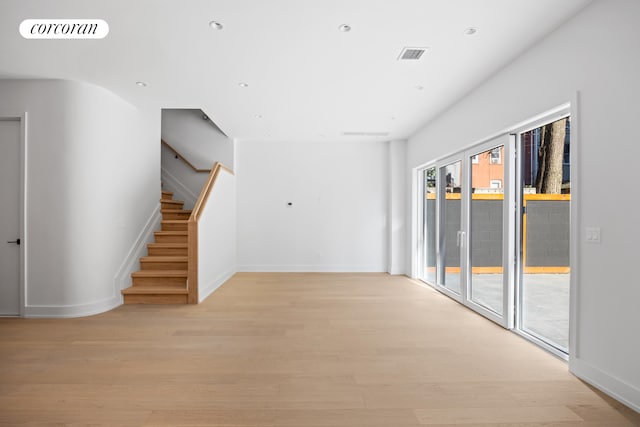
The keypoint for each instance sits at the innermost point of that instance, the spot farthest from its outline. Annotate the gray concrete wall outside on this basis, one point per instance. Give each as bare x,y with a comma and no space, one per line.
547,234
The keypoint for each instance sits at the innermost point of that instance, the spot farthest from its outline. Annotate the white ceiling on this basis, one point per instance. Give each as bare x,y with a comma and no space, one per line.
307,80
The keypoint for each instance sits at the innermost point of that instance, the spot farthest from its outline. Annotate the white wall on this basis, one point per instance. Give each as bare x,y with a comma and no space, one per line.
185,183
198,140
338,218
92,183
217,236
596,53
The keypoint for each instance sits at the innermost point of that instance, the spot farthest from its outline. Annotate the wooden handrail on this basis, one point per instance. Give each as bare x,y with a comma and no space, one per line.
195,169
192,231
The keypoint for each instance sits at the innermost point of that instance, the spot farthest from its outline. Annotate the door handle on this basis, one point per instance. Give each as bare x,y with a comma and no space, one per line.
17,241
460,238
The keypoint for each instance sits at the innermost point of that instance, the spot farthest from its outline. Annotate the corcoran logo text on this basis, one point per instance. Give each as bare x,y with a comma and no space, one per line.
64,29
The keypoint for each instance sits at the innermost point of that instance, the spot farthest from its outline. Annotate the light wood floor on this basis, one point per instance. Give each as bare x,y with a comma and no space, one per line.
300,350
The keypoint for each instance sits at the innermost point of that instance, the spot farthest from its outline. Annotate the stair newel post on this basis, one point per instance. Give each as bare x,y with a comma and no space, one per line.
192,257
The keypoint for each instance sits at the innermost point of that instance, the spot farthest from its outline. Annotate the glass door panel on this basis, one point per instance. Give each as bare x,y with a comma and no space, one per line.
486,225
451,233
429,212
545,195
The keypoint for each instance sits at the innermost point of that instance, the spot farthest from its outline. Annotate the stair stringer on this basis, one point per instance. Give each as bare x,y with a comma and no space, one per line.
131,262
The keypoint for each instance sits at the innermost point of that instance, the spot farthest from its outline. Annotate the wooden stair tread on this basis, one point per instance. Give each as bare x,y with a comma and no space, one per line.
163,274
159,273
164,258
155,290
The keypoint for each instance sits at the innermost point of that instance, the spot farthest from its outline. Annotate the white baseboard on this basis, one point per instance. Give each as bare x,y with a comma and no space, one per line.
614,387
121,280
311,269
67,311
181,192
205,291
130,264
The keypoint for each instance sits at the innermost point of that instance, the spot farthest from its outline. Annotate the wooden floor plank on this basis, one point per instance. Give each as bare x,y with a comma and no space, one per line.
300,349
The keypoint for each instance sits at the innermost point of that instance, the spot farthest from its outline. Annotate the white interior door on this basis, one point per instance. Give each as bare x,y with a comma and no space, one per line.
9,217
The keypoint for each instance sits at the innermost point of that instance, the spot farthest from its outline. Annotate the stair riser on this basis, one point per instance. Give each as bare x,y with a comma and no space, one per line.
171,239
150,265
156,299
174,227
167,196
175,215
167,251
171,204
177,282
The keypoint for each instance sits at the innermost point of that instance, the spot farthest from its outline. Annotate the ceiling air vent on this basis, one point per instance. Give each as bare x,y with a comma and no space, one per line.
365,133
412,53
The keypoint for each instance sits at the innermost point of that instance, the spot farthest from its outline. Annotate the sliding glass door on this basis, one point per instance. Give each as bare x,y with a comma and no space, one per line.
429,206
496,229
450,226
465,221
488,227
544,234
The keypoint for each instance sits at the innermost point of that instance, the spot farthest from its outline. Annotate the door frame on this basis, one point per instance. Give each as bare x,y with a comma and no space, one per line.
21,117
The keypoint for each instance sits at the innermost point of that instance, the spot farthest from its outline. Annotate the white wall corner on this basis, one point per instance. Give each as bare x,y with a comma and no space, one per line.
181,192
130,264
396,210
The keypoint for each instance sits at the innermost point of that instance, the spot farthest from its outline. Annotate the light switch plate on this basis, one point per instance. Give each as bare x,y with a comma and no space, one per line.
593,234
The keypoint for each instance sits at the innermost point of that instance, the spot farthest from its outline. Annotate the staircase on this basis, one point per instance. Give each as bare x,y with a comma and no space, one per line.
162,278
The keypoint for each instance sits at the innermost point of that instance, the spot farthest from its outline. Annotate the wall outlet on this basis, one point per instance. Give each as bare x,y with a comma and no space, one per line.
593,234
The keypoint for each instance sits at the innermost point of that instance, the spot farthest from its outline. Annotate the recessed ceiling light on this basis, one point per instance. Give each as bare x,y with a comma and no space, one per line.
257,116
215,25
344,28
243,84
141,84
419,87
470,31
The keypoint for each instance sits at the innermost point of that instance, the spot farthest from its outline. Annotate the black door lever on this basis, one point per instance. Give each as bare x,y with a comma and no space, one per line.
17,242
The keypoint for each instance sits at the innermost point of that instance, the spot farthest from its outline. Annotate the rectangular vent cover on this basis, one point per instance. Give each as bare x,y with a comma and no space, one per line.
365,133
412,53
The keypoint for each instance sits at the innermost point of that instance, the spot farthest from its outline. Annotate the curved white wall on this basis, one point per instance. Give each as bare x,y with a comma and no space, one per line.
92,182
595,53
